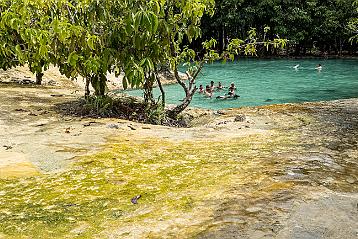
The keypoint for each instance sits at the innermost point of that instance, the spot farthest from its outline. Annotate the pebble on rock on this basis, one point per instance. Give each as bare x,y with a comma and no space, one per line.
134,200
113,126
254,209
131,127
350,180
240,118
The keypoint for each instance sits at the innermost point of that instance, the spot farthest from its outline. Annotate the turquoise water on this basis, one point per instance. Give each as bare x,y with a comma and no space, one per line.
262,82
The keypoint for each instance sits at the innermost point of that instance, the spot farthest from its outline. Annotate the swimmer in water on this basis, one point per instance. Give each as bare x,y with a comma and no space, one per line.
319,67
212,86
296,66
230,94
208,91
201,89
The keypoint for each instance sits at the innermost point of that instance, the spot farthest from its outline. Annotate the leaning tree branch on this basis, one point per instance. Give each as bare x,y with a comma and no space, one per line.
161,88
176,74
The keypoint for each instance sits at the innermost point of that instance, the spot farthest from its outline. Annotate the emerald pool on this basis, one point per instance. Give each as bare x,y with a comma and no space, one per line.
262,82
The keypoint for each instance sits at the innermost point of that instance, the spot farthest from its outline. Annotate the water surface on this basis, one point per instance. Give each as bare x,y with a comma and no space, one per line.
262,82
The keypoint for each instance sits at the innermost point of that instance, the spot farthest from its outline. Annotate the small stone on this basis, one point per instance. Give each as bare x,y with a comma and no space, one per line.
254,209
134,200
7,147
350,180
52,82
328,180
250,122
44,112
131,127
240,118
20,110
222,122
57,95
113,126
26,81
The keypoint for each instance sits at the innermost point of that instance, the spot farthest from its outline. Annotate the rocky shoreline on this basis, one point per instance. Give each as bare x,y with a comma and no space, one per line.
277,171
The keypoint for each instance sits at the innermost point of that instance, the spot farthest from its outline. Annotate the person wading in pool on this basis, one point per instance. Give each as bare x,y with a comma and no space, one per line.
230,94
201,89
212,86
208,91
319,67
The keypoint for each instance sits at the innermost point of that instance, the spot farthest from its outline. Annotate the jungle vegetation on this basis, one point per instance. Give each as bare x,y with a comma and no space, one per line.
312,26
140,38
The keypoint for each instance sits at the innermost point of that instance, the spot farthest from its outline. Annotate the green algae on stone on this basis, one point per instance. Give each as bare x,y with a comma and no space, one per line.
185,188
173,179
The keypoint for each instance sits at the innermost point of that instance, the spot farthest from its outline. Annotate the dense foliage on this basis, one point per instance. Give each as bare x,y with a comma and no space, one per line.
311,26
92,38
353,24
140,38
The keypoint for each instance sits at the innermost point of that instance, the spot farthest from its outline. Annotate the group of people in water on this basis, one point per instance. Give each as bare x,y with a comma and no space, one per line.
210,89
318,67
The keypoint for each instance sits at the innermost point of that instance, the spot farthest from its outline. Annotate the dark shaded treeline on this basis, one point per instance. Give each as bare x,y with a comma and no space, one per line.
313,27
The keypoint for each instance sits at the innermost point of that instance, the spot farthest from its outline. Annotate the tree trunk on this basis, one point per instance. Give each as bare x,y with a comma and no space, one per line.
161,91
39,78
98,83
189,91
288,47
222,38
87,90
102,84
148,90
297,50
179,108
